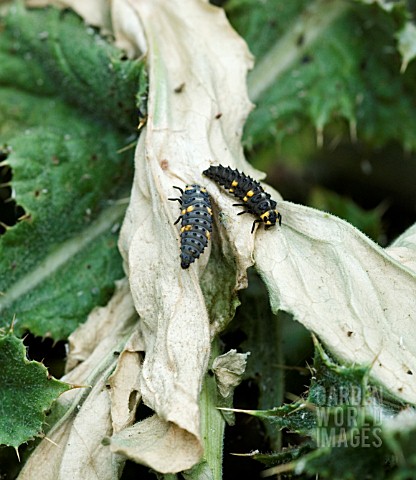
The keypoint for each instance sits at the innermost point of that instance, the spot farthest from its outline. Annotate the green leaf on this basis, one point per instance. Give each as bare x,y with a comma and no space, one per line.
297,417
352,428
26,393
284,456
331,380
50,52
361,456
67,108
332,66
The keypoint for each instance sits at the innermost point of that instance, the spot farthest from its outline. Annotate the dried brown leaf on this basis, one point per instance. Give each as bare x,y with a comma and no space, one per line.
229,369
125,392
197,69
156,442
349,291
74,446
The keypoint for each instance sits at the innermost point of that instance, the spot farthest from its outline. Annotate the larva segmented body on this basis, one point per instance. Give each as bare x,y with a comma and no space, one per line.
249,191
196,226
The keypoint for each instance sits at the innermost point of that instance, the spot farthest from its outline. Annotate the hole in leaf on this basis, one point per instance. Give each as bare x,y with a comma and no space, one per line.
10,212
133,399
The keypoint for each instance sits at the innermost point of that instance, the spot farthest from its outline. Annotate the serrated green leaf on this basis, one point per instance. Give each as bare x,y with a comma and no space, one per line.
353,429
298,417
57,294
333,386
288,454
64,119
63,57
348,462
327,65
331,380
26,392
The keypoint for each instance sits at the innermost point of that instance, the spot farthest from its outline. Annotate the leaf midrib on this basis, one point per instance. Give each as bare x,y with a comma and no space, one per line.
285,52
63,254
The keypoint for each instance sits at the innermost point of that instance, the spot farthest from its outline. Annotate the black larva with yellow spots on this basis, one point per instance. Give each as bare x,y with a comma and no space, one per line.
196,215
254,198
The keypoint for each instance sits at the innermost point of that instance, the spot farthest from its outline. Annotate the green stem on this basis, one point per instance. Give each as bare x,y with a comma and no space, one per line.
212,422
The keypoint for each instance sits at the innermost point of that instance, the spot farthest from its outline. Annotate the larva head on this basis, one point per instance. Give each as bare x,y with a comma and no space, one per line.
270,218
